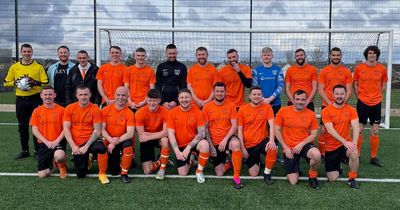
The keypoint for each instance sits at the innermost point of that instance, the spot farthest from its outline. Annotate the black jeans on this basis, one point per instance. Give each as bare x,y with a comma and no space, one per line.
24,107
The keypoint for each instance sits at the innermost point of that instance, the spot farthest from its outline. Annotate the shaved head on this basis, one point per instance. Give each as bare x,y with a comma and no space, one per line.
121,89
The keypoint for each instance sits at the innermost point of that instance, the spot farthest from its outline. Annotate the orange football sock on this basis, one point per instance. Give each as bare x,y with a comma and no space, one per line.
164,157
359,144
237,163
202,160
321,143
312,173
62,165
352,175
127,156
102,160
155,165
374,142
270,159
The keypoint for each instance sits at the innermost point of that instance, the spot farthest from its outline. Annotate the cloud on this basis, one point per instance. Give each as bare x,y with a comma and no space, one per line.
190,16
276,7
42,22
147,11
102,8
348,18
316,24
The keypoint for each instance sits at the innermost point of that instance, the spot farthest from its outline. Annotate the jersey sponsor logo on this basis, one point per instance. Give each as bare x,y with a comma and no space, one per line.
266,78
177,72
165,72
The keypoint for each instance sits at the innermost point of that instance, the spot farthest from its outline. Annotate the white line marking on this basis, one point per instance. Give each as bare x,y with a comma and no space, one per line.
385,180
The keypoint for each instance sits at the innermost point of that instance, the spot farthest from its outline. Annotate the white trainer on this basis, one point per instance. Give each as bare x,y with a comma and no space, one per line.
200,177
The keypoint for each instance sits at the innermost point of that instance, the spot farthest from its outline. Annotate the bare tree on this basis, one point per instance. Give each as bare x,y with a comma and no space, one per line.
289,57
155,57
318,57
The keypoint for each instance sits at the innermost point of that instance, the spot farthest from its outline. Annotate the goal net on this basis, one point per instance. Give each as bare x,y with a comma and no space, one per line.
248,43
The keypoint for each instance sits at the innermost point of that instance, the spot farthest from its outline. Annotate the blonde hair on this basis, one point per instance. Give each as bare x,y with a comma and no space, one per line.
267,50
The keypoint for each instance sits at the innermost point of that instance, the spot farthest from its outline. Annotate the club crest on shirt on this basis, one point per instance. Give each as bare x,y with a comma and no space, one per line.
177,72
275,72
303,119
165,72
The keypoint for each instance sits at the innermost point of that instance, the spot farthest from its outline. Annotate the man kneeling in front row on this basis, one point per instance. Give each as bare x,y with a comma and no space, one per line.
296,128
337,118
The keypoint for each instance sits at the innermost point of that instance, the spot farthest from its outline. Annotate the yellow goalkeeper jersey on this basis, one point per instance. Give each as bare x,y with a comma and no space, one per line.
33,70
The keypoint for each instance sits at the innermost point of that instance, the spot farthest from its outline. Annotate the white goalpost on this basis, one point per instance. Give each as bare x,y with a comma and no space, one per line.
249,42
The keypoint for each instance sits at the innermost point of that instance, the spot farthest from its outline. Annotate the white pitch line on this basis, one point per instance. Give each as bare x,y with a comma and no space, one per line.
385,180
9,124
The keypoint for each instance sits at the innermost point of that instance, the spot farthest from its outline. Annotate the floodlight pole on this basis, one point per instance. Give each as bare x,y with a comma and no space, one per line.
330,27
16,32
173,21
95,27
98,53
250,34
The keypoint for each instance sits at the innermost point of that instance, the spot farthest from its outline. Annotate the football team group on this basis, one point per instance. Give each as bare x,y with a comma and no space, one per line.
197,112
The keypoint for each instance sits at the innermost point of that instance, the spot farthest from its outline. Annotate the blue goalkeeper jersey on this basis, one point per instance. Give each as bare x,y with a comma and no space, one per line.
270,79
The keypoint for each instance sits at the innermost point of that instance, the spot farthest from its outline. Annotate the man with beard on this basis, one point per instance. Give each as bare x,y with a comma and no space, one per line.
47,126
370,80
235,76
82,129
221,125
170,78
301,76
118,129
330,76
26,99
201,79
82,73
186,134
338,118
253,121
151,125
296,128
110,76
58,73
139,79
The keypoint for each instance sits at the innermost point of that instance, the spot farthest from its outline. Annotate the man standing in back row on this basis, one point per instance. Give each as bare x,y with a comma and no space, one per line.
139,79
370,79
201,79
301,76
330,76
270,78
82,73
170,78
27,99
236,76
110,76
58,73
